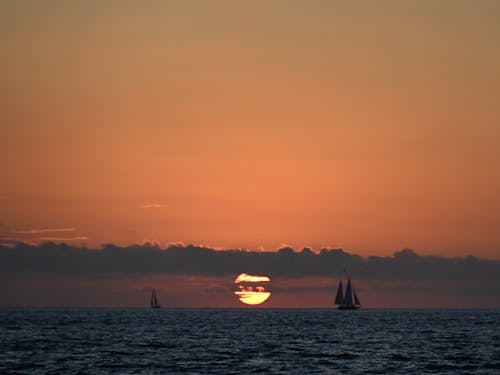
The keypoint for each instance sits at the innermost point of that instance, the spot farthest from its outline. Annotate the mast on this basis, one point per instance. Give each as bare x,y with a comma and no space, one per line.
348,293
356,299
339,298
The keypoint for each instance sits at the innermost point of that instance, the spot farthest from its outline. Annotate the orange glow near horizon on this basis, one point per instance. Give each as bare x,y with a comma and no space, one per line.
183,291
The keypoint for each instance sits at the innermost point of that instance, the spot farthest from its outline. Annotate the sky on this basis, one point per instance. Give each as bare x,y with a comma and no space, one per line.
367,126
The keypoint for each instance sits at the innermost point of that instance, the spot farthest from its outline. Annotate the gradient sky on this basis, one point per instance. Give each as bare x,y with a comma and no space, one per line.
371,126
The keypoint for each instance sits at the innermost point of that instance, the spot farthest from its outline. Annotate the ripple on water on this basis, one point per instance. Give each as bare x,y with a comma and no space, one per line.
110,341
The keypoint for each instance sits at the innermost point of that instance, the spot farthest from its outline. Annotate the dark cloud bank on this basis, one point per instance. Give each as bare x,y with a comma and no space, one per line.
61,259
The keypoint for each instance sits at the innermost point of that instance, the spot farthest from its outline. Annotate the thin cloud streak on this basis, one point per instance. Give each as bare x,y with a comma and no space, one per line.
152,205
43,230
63,239
11,241
37,236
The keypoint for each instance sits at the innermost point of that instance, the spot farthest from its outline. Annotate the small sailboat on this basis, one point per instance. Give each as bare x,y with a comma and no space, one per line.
350,300
154,301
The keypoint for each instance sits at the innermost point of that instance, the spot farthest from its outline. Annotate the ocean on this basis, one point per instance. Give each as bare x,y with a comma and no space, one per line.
244,341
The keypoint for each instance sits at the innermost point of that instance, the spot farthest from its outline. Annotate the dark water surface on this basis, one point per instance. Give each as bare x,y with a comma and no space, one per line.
224,341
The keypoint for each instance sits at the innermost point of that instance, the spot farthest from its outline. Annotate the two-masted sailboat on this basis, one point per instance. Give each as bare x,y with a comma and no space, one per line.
350,300
154,301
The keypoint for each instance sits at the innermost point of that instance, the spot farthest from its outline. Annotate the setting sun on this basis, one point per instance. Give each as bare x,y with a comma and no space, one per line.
251,289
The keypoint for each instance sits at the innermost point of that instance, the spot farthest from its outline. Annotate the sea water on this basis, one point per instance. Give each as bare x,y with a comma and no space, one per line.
242,341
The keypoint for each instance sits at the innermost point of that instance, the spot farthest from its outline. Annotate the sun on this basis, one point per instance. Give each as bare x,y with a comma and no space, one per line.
251,289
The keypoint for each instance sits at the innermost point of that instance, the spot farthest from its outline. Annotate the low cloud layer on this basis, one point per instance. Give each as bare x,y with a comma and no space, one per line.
63,259
195,276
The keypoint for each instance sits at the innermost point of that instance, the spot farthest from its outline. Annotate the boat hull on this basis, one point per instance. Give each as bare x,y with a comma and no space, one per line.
348,307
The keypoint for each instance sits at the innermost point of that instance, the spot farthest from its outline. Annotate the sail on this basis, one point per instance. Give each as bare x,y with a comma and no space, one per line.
356,299
348,293
339,298
154,300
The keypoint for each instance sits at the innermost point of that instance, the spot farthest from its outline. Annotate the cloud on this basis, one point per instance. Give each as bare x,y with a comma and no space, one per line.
150,242
176,244
52,258
201,276
36,236
63,239
152,205
43,230
12,241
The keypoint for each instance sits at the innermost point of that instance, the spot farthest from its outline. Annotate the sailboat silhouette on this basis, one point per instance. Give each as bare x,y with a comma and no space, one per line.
350,300
154,301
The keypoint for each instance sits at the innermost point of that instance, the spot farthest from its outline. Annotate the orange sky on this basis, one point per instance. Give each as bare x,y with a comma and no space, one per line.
371,126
